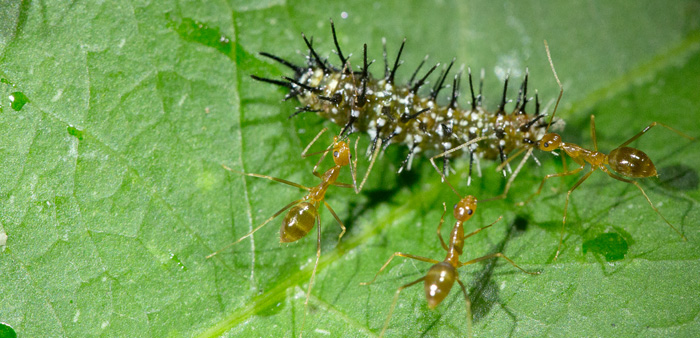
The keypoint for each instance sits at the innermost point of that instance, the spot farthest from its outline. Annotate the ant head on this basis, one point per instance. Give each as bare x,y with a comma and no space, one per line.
465,208
341,152
549,142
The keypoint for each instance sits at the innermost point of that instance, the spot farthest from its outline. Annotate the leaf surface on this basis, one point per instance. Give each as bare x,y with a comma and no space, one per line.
112,191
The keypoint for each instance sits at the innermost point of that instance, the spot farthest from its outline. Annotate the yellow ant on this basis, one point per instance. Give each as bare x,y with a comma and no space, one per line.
441,277
304,212
623,160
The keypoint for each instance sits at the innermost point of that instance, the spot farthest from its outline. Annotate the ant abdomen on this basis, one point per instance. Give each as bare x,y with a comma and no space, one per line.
298,222
438,283
631,162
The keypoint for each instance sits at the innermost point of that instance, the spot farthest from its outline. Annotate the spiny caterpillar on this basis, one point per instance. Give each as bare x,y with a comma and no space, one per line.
393,113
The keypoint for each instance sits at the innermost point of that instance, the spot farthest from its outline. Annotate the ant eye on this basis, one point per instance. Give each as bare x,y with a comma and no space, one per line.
335,154
455,206
546,144
470,211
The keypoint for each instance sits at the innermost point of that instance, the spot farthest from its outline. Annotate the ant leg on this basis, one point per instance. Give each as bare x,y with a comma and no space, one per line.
337,219
482,228
567,173
268,177
401,254
442,220
654,124
353,167
512,177
566,206
595,141
647,197
393,304
256,229
469,308
313,275
343,185
563,163
432,159
371,164
476,260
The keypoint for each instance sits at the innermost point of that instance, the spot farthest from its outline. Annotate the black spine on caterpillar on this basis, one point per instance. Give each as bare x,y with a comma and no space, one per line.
359,102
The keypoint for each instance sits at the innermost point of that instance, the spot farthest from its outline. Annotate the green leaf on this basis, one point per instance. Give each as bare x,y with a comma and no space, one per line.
112,191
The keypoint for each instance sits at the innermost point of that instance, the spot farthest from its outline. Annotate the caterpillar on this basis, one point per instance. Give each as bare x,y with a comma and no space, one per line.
393,113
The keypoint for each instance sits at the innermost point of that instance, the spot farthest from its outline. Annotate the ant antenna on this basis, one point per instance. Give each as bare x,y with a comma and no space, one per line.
444,179
353,164
453,189
561,88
